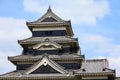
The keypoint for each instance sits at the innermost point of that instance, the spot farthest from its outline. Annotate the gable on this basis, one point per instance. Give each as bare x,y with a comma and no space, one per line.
49,19
45,65
44,69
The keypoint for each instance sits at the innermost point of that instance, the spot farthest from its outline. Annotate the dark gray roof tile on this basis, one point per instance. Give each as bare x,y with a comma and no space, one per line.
54,39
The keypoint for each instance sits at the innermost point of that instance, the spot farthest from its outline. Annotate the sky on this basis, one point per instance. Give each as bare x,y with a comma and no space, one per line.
96,24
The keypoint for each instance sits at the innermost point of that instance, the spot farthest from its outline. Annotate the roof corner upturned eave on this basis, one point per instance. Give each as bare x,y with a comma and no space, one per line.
70,28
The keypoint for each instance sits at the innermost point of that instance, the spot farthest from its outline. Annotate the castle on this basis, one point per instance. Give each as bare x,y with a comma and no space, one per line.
52,53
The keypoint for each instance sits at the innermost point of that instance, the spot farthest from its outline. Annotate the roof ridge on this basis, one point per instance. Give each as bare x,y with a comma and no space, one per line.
95,60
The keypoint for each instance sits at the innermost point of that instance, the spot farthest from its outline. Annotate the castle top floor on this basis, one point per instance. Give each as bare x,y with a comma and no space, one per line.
50,25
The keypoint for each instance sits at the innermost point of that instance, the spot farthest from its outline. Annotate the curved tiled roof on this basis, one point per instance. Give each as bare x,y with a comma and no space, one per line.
54,57
15,75
50,19
49,14
42,39
95,66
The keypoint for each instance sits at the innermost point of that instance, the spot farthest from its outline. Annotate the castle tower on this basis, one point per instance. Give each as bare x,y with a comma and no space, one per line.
52,53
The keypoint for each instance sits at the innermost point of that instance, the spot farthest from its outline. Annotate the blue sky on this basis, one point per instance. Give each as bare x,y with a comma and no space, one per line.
96,23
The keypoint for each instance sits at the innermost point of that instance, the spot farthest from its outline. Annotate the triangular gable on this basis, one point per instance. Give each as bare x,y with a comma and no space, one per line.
44,62
47,45
50,17
45,69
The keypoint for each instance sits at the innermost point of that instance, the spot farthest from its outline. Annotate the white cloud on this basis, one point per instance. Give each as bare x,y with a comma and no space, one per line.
79,11
11,30
102,44
33,6
4,63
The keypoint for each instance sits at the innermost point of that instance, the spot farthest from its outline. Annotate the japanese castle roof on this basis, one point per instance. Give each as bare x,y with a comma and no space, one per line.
54,57
57,39
96,67
19,74
49,19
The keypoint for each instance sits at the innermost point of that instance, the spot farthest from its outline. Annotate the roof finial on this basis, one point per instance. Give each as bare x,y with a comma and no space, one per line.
49,9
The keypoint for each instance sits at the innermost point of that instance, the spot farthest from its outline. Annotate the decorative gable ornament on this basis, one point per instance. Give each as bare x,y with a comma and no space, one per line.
47,45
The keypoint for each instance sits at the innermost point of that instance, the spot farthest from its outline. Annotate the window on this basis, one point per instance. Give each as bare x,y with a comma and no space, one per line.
48,33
